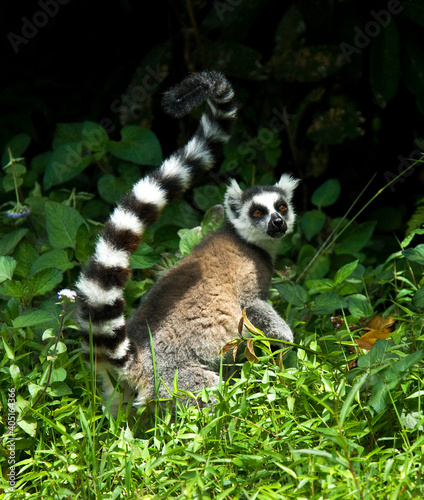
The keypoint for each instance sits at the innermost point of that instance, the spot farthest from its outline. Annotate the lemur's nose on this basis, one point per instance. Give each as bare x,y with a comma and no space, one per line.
276,221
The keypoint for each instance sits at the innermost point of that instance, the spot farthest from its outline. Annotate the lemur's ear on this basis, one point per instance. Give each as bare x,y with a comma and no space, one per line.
232,198
288,184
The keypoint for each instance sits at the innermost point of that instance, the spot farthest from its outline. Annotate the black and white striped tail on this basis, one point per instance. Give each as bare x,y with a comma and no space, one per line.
101,284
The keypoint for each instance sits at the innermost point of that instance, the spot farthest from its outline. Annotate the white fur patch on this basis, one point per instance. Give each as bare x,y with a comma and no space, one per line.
105,328
120,351
288,184
173,167
212,130
267,199
123,219
147,190
197,148
96,295
109,256
222,114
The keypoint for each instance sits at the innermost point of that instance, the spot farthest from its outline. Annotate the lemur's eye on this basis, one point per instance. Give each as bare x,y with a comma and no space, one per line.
282,208
257,213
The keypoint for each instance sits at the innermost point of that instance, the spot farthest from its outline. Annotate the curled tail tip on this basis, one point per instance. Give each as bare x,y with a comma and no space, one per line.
194,90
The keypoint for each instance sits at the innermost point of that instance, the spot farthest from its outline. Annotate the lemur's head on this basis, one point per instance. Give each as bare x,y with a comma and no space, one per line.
262,214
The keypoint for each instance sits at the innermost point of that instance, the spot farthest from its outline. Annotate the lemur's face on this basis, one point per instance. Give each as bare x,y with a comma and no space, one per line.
262,214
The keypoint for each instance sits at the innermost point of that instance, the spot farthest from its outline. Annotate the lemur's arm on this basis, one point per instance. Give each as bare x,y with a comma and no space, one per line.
264,317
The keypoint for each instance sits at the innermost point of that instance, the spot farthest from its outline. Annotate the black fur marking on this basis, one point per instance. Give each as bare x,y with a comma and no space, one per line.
124,239
107,277
98,314
148,213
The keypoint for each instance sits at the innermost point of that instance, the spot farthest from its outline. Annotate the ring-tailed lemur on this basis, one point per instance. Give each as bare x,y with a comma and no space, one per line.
195,308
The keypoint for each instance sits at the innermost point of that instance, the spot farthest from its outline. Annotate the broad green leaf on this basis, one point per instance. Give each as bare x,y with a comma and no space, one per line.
62,224
354,238
10,240
59,389
28,424
138,145
360,308
25,255
312,222
65,163
15,373
7,267
344,272
293,293
56,258
318,286
415,254
94,136
16,289
327,193
327,303
418,298
84,244
44,281
144,257
34,318
213,219
207,196
66,133
111,188
189,239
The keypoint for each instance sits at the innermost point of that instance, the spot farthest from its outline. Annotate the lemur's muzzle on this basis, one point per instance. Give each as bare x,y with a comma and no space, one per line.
277,226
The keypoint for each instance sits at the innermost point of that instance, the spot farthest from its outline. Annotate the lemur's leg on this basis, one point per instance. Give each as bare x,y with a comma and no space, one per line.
264,317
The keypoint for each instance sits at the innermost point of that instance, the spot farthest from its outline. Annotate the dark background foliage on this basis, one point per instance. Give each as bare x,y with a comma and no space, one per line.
339,82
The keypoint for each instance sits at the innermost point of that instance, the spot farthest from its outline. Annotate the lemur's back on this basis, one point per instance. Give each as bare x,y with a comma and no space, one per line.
196,306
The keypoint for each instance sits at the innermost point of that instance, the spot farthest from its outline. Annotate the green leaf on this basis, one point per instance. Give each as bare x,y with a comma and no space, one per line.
7,267
312,222
65,163
33,318
44,281
360,308
62,224
66,133
213,219
385,64
18,145
354,238
318,286
94,136
293,293
9,242
28,424
418,298
56,258
207,196
84,246
344,272
144,257
139,145
327,193
328,303
415,254
25,255
16,289
59,389
111,188
189,239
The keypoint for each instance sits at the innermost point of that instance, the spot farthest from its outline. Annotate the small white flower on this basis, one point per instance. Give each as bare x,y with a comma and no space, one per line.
67,294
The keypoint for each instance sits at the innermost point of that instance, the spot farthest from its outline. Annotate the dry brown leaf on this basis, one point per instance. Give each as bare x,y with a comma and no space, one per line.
249,352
